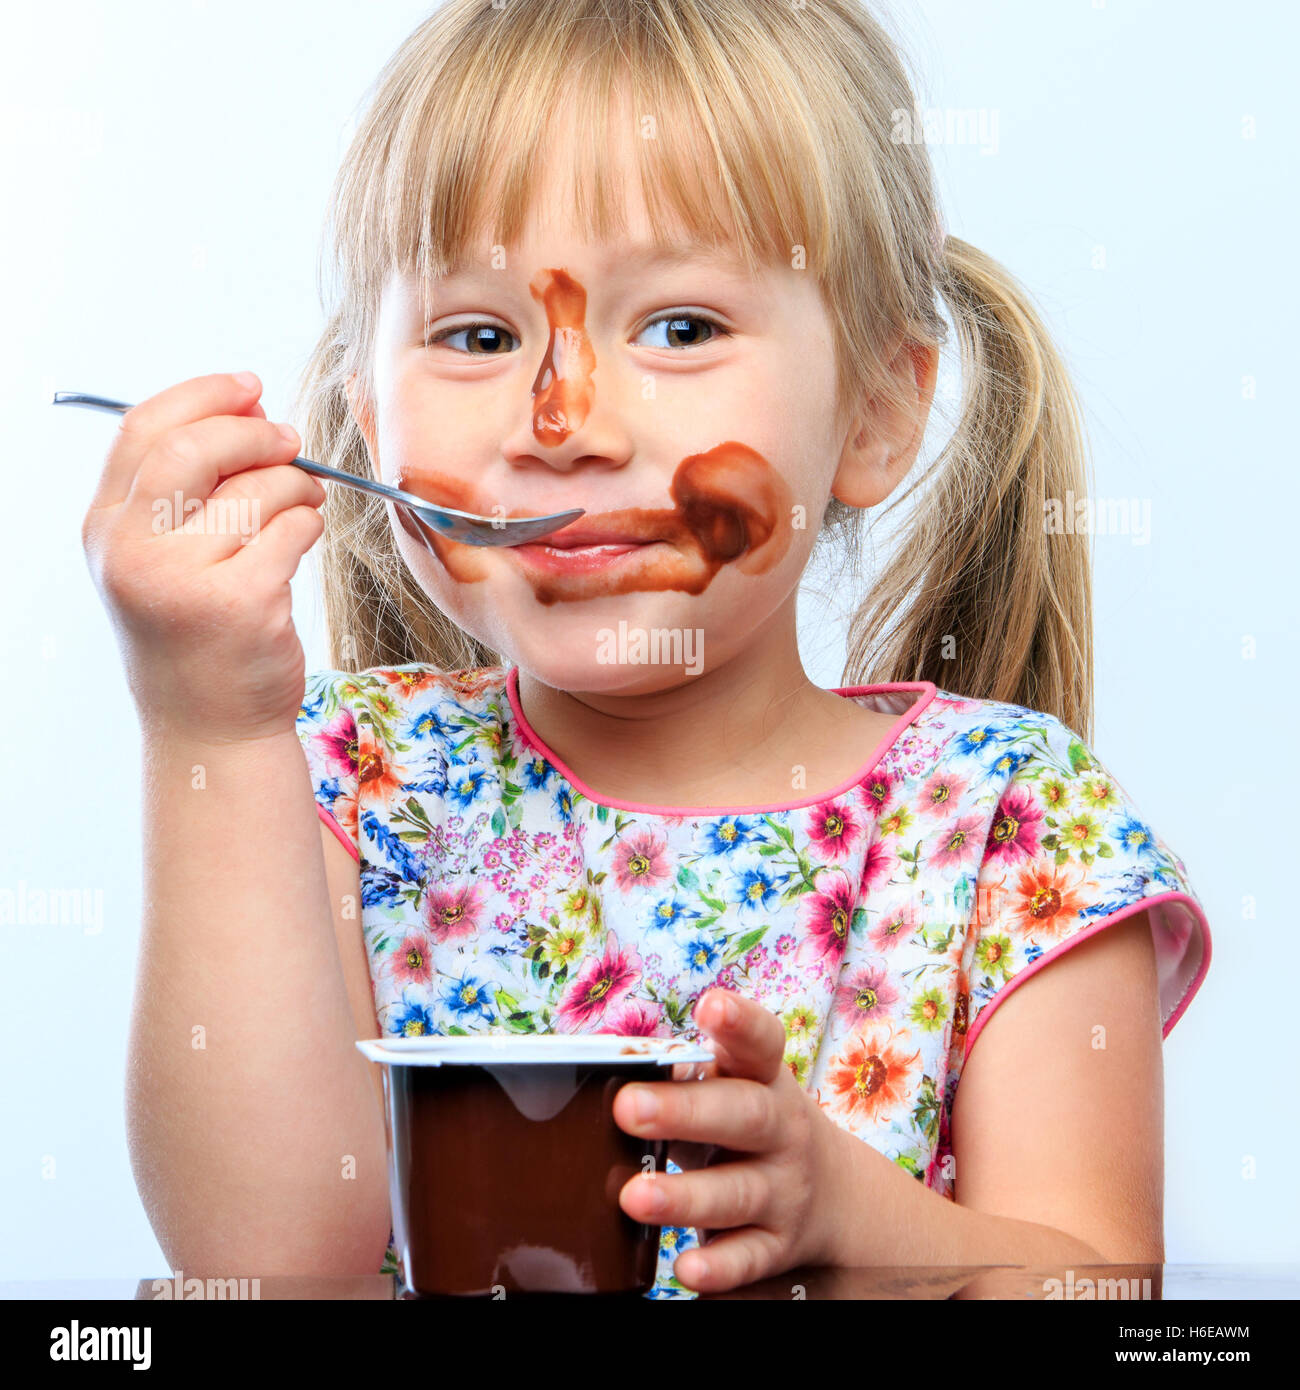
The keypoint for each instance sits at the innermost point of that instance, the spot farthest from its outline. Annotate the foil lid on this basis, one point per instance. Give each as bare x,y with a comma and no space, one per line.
531,1049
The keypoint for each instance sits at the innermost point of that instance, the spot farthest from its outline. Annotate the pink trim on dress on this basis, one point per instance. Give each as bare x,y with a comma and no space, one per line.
928,689
328,818
1171,947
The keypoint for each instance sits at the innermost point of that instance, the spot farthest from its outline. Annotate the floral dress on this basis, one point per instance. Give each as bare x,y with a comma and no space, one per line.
882,921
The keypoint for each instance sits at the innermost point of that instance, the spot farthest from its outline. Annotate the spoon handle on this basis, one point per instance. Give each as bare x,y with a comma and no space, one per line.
321,470
465,527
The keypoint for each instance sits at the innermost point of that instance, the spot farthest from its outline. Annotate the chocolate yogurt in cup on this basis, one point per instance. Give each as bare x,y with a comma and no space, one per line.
505,1161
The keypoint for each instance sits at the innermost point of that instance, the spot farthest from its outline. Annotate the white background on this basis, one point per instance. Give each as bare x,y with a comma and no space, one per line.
164,168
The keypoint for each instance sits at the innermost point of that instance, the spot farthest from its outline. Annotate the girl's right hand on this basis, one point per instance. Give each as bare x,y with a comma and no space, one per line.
200,600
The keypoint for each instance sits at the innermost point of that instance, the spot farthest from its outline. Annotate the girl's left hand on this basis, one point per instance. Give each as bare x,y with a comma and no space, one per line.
772,1188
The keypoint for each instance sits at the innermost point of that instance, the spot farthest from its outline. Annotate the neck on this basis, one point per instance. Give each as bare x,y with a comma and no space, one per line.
736,735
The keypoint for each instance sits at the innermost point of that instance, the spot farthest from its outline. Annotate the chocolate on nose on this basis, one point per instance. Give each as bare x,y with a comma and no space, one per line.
563,388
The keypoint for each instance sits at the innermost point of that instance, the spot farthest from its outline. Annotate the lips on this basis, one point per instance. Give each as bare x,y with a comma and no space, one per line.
572,537
590,558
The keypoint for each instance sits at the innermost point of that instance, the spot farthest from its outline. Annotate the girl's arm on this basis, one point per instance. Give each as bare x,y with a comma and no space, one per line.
254,1135
1057,1139
1061,1121
1056,1129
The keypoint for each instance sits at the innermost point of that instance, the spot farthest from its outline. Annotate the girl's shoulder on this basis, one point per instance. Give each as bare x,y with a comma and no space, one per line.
397,715
1003,746
1066,850
381,695
967,709
376,737
997,734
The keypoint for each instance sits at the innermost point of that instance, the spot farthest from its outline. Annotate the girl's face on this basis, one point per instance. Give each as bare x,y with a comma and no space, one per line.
686,407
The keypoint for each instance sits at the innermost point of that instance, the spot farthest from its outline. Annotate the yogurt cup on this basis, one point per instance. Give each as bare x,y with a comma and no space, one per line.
505,1161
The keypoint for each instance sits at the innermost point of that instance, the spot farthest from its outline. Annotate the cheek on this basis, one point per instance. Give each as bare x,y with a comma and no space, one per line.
423,431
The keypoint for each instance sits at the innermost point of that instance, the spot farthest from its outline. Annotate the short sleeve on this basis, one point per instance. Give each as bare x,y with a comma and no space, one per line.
327,730
1068,854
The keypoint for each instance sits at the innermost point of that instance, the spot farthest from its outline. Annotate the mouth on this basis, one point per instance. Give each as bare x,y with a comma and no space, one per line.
547,557
592,535
590,546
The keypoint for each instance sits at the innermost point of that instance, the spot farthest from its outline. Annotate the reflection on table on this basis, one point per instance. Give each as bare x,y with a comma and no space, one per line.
913,1282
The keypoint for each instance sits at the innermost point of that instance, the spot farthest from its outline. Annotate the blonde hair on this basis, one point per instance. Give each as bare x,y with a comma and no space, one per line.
775,133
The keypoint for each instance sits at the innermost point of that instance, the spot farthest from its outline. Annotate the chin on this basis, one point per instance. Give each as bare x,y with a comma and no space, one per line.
634,643
596,679
613,647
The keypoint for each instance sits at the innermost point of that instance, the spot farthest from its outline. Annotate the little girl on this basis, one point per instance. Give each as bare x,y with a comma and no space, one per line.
585,784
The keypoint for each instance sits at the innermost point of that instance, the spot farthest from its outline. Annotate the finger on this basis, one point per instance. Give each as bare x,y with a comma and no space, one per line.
747,1039
278,484
178,405
718,1198
731,1260
276,552
733,1112
191,460
243,505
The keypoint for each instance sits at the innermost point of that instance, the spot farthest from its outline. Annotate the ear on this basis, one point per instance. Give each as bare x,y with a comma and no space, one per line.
359,405
886,437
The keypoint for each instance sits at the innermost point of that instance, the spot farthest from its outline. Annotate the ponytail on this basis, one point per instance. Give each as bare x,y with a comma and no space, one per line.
992,606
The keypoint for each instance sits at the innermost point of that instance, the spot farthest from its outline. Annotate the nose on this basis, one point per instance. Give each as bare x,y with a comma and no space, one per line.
568,421
565,427
585,447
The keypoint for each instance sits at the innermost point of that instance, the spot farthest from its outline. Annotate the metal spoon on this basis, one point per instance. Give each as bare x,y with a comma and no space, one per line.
465,527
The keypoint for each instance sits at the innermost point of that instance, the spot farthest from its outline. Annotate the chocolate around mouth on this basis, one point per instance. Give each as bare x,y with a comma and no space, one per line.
731,507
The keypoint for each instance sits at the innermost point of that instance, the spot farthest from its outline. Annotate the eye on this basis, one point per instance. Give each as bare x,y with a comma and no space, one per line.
489,338
678,326
486,335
